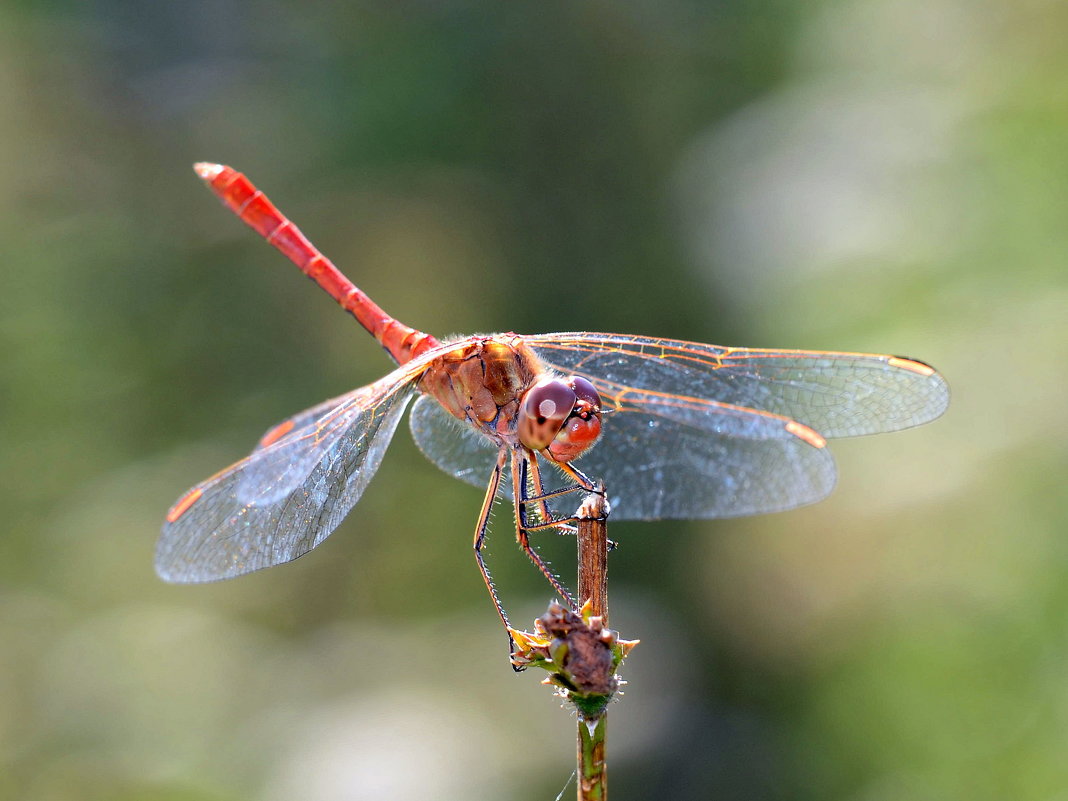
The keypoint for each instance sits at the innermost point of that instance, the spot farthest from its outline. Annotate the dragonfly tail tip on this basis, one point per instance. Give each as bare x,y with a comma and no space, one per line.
206,170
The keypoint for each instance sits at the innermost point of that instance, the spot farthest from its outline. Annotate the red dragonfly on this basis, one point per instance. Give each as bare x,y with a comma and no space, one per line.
682,429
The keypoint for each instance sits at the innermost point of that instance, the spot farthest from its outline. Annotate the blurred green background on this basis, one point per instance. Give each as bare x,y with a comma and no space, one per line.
887,175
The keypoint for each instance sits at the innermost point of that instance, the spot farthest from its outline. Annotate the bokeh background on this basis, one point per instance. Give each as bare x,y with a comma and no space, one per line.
887,175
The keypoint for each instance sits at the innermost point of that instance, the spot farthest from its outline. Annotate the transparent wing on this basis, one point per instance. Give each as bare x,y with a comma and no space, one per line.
704,431
289,494
287,452
837,394
664,457
697,431
456,448
301,419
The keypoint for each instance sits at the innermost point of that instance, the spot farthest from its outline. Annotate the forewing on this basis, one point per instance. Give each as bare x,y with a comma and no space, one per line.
837,394
697,431
288,495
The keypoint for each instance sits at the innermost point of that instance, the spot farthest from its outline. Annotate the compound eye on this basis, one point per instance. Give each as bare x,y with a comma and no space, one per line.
585,391
575,438
545,407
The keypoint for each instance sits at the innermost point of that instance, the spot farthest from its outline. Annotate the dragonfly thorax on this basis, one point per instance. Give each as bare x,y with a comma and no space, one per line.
498,384
482,379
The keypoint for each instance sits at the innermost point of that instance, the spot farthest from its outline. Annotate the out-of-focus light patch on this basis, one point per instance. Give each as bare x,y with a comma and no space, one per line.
822,176
28,622
152,691
344,745
913,39
663,676
446,686
843,168
942,694
400,745
898,785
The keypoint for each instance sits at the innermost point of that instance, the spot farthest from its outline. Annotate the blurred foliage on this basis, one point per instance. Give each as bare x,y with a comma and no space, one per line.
880,175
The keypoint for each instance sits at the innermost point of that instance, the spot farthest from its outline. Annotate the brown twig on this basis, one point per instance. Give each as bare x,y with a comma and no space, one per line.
592,771
579,651
592,519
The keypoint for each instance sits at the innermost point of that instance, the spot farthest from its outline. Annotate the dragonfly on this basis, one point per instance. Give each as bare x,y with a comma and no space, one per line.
673,429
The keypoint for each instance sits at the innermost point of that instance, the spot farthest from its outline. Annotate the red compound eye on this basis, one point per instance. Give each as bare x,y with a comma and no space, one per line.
545,407
560,418
575,437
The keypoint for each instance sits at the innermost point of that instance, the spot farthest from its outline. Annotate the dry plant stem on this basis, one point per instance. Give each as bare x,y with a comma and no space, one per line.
593,586
592,518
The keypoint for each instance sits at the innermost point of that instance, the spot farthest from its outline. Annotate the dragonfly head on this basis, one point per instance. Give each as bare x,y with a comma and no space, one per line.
561,417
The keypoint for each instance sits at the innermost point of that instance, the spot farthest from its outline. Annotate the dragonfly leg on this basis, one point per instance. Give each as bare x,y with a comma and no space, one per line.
549,521
532,481
480,540
583,480
520,461
561,523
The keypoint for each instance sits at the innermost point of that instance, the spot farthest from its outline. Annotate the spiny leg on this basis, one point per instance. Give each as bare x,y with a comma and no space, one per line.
562,524
540,496
480,539
583,480
519,491
532,481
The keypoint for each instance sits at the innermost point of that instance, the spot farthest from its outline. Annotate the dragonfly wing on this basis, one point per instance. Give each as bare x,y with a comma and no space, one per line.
288,495
302,419
289,451
662,459
455,447
837,394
